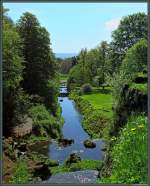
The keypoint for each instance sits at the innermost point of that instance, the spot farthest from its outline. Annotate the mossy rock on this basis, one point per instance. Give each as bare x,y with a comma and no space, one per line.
52,163
65,142
89,144
73,158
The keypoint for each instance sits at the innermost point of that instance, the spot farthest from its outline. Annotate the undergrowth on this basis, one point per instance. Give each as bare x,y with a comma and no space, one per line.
130,154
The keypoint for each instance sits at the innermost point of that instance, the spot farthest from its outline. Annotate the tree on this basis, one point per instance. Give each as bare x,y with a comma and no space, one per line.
40,66
82,61
135,59
104,48
12,74
131,29
134,62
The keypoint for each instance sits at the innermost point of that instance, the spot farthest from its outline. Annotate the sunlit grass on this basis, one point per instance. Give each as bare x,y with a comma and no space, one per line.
102,102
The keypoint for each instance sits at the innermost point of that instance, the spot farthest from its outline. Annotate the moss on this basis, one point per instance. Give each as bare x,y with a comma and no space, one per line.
51,163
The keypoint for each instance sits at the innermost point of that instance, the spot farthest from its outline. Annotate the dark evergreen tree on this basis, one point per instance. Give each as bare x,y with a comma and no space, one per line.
40,68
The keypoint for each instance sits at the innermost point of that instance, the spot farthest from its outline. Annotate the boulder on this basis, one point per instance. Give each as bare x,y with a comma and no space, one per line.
42,171
89,144
73,158
65,142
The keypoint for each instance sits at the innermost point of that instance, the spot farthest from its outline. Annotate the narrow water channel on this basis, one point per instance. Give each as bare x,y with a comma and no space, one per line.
72,129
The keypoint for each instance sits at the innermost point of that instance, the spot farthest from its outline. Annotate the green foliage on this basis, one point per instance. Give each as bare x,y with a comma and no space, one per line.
40,66
134,62
63,77
131,29
86,88
130,154
51,94
81,165
21,174
14,97
135,59
91,67
12,57
74,76
44,123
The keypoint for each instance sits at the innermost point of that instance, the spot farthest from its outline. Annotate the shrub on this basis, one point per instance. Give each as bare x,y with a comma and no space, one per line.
44,122
86,88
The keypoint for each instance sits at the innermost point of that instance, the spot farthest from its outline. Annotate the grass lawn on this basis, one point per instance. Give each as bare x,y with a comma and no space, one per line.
101,101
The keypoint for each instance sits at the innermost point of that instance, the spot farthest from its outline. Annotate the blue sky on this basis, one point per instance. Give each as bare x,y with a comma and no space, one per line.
73,26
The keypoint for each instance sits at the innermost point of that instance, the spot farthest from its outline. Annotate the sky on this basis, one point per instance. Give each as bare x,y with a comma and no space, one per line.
73,26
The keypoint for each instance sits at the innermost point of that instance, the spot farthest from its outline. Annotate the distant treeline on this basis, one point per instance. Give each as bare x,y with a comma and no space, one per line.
97,66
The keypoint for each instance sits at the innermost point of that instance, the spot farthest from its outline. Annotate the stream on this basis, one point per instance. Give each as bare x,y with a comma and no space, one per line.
72,129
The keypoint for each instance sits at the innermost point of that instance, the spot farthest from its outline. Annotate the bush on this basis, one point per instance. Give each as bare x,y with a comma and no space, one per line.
44,123
86,88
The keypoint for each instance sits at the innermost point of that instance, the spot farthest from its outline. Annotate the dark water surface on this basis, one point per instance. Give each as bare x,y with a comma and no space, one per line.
72,129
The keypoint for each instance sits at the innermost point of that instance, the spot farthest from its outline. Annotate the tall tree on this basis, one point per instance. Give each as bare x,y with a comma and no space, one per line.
39,72
104,48
82,62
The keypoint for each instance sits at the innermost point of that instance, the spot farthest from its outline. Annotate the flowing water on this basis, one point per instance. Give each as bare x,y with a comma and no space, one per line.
72,129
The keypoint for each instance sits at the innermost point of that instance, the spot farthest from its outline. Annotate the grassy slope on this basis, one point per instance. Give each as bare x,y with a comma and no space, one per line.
130,153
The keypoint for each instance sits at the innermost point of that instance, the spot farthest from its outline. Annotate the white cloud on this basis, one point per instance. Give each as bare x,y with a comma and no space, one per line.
112,24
